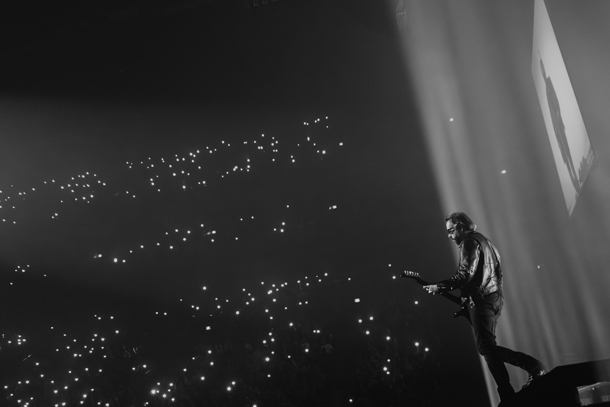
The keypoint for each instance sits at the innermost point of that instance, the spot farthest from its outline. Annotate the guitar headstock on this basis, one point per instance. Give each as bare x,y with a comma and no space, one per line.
410,274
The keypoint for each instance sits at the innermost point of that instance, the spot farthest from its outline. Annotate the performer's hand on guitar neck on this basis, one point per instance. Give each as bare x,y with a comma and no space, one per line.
431,288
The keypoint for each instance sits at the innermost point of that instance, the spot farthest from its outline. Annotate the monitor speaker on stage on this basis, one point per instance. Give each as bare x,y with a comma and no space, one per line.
570,386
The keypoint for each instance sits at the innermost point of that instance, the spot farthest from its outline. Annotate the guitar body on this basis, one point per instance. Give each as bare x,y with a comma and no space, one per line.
463,312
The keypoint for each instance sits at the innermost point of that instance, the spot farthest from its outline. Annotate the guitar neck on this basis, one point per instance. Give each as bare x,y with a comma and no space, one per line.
451,297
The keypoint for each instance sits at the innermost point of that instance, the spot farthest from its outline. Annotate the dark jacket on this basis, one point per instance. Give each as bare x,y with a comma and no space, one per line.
479,272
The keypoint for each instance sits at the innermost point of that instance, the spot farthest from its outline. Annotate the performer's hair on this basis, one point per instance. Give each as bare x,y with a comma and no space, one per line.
460,218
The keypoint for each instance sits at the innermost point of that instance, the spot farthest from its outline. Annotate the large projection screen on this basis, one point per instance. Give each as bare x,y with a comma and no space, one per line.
564,123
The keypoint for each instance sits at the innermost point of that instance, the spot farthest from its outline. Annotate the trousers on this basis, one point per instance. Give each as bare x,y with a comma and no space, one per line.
484,317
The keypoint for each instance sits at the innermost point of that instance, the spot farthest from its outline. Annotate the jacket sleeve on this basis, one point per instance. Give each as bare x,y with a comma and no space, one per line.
469,260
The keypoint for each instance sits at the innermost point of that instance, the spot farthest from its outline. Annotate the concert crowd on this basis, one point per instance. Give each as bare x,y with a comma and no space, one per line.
281,342
279,350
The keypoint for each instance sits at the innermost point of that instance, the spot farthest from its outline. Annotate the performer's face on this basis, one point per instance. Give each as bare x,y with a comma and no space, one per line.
455,232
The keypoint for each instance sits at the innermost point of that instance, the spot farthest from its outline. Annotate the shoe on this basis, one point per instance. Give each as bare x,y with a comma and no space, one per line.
533,376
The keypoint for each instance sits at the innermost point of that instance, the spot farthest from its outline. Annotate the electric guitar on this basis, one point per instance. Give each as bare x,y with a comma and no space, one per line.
453,298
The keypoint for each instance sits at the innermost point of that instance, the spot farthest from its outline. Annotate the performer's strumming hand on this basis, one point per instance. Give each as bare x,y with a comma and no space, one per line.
432,289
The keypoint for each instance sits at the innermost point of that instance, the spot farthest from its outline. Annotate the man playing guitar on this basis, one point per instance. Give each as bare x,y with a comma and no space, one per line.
479,276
